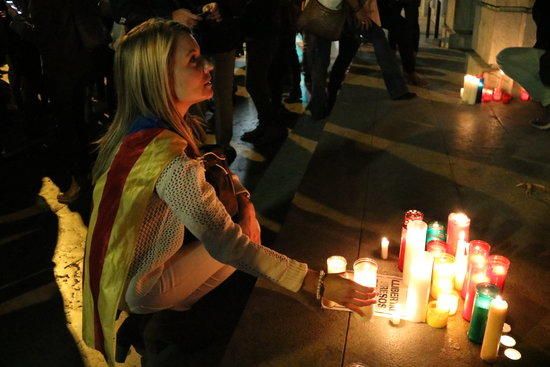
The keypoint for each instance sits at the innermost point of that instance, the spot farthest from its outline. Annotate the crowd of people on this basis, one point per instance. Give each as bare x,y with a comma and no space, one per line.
61,70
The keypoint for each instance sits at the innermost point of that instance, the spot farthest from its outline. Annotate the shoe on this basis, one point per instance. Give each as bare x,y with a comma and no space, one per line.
253,135
540,124
406,96
71,194
415,79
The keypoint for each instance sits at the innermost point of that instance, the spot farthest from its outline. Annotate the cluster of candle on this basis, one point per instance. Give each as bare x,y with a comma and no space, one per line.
474,91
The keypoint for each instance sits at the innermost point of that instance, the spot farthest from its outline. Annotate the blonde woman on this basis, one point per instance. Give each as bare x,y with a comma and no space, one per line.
150,186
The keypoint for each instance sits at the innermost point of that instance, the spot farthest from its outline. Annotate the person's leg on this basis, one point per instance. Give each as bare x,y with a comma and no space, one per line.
187,277
224,67
391,72
411,15
348,45
319,60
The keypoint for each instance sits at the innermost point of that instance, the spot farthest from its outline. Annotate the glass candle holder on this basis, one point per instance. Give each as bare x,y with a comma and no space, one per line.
478,251
364,272
437,315
436,231
457,223
450,300
485,293
443,275
436,247
409,216
478,275
336,264
461,262
497,270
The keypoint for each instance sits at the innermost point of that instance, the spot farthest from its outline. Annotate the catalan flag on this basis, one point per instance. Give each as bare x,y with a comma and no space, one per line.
120,199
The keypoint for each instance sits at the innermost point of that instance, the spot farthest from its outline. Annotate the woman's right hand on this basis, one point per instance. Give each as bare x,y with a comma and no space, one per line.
348,293
186,18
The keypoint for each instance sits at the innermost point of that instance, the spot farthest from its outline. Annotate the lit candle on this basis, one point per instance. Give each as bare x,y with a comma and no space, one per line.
524,95
497,270
450,300
418,292
436,247
457,223
487,95
415,242
436,231
485,293
462,93
477,256
336,264
478,276
471,84
437,315
493,330
364,273
443,275
409,215
396,315
461,261
384,244
481,84
497,94
506,97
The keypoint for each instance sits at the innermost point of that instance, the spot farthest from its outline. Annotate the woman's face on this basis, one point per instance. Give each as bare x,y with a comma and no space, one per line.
192,80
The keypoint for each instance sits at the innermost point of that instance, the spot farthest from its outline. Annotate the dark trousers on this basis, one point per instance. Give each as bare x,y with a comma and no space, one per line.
411,16
402,34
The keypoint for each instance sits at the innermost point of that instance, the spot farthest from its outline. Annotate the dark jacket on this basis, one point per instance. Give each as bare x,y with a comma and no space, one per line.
541,16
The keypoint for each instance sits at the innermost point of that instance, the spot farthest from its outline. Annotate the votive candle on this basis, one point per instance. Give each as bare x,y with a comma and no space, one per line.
493,331
497,270
477,277
436,247
418,292
396,315
409,216
478,251
436,231
365,272
461,262
457,223
415,242
384,244
336,264
485,293
443,275
437,315
524,95
450,300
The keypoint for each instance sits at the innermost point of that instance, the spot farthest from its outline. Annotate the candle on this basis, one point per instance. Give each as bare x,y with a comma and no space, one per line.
481,84
477,256
396,315
364,273
461,262
418,292
497,94
437,316
436,231
450,300
512,354
462,93
497,270
485,293
384,244
415,242
457,223
471,84
487,95
436,247
493,331
478,276
443,275
506,97
336,264
409,215
524,95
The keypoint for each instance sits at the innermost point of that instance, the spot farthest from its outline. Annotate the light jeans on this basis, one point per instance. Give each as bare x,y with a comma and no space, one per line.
522,64
187,277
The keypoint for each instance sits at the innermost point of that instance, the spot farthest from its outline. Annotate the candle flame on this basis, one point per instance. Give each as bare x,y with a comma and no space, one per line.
385,241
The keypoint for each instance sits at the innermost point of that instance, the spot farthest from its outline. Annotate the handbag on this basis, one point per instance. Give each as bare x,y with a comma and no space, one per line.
218,174
321,21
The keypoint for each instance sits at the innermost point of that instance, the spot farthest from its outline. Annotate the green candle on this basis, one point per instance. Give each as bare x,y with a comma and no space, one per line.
436,231
485,293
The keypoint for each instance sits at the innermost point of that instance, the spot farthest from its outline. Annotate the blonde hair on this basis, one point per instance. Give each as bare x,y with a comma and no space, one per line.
143,72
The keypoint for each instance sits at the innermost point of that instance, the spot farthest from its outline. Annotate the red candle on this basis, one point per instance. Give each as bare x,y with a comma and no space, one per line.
487,95
506,97
497,270
497,94
477,257
478,276
457,223
437,247
409,216
524,95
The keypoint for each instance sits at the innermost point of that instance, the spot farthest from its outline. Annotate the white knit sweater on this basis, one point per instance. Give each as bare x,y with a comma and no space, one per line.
184,198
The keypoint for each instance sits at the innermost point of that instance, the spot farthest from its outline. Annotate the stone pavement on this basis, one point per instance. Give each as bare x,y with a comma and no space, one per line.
377,158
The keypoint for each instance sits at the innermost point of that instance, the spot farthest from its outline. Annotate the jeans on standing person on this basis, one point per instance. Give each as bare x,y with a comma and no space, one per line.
318,50
385,56
522,65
